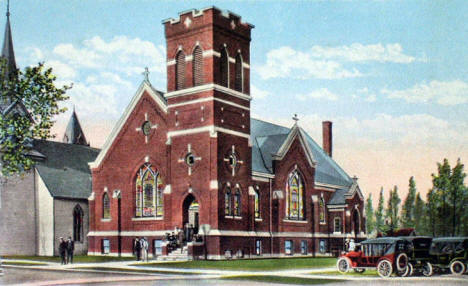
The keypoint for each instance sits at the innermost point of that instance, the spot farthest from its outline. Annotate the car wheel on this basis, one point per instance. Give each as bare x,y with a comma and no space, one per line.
401,262
343,264
384,268
457,267
359,270
411,269
427,269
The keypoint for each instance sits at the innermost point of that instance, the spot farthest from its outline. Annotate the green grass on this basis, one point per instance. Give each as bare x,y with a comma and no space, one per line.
253,264
283,279
115,269
23,263
367,273
76,259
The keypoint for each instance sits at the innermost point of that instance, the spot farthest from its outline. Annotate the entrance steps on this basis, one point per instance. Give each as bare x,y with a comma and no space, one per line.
178,254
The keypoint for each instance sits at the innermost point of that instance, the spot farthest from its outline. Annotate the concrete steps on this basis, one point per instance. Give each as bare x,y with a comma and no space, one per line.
178,254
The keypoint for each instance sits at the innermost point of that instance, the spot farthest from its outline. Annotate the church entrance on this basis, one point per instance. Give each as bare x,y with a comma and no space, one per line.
190,217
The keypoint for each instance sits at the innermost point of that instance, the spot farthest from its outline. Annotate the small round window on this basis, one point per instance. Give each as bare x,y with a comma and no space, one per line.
146,127
189,159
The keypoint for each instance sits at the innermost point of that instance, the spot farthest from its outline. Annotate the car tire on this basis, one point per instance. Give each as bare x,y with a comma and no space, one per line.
384,268
343,264
427,269
411,269
359,270
401,262
457,267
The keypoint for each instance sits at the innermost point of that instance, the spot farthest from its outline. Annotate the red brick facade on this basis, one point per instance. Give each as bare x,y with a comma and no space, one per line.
212,122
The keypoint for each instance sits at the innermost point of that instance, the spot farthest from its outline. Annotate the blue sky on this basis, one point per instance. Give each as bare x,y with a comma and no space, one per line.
391,75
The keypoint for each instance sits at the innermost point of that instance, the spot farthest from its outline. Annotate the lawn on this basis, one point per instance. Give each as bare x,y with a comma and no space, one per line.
76,259
367,273
125,270
253,264
24,263
283,279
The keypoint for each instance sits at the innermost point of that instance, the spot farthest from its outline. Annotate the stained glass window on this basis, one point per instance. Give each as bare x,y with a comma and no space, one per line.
238,78
322,210
257,204
295,196
237,203
105,206
149,189
337,226
228,202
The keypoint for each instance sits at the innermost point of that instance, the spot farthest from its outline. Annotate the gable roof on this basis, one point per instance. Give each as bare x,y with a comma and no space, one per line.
74,133
64,168
158,97
267,138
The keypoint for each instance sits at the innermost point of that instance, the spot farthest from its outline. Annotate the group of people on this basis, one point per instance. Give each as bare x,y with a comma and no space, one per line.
350,245
66,249
140,248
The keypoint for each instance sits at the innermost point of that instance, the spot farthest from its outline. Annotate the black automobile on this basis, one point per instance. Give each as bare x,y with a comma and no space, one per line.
419,260
450,253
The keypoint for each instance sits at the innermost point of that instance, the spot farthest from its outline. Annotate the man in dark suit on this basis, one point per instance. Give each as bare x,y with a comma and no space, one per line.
70,250
62,250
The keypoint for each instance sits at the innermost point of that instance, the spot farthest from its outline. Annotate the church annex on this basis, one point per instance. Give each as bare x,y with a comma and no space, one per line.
194,156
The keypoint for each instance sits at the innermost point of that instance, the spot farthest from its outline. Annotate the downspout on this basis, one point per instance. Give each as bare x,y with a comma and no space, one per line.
271,217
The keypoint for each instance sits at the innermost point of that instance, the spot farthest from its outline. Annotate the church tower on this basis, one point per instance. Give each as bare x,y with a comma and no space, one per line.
8,52
74,133
208,84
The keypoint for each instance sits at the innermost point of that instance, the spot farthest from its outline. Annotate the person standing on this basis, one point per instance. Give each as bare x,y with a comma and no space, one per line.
144,249
62,250
70,250
137,247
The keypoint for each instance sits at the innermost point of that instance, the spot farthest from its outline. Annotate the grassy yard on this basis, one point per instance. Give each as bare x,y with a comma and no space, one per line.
283,280
254,264
76,259
24,263
146,271
367,273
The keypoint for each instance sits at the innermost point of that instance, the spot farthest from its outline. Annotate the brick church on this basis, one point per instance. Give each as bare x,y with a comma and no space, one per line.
193,157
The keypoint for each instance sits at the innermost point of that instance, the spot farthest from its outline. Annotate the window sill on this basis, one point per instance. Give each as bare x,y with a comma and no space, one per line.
337,232
232,217
237,217
294,221
106,219
323,223
146,218
258,219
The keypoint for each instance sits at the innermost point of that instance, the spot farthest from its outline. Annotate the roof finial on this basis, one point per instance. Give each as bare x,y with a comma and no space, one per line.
146,74
295,118
8,8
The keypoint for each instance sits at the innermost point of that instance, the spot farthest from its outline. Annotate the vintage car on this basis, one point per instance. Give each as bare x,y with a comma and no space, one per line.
387,254
449,253
419,259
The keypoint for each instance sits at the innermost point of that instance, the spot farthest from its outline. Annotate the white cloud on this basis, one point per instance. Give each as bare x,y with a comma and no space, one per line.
287,62
322,93
444,93
366,94
364,53
62,70
258,93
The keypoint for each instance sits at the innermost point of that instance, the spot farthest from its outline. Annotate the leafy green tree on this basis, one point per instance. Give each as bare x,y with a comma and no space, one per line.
441,198
34,92
431,212
407,219
457,187
370,220
379,214
419,215
393,206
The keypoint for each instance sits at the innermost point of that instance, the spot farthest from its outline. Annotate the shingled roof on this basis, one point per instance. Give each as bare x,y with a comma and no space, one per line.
65,169
267,138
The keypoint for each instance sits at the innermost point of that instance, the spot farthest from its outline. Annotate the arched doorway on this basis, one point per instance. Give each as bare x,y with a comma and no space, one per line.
356,222
191,223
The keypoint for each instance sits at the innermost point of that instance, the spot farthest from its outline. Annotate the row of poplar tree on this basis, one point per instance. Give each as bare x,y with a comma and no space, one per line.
442,213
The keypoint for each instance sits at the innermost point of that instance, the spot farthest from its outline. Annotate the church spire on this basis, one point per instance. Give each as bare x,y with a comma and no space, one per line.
74,134
8,51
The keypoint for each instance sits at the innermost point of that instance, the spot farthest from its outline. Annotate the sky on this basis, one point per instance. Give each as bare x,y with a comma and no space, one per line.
392,76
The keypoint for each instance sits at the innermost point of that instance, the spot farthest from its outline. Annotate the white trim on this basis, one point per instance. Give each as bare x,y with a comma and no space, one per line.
106,219
130,233
296,131
205,99
329,186
330,207
205,87
210,128
213,184
295,221
336,210
232,132
147,218
92,196
145,86
167,189
260,179
258,219
207,54
264,175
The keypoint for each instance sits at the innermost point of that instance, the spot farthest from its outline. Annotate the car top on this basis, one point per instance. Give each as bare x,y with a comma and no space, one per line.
449,239
382,240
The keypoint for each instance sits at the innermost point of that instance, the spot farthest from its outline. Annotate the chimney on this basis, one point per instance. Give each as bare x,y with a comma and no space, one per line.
327,137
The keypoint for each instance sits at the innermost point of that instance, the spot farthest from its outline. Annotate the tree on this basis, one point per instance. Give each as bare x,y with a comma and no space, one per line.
379,219
370,221
407,218
457,187
440,198
392,209
419,215
30,100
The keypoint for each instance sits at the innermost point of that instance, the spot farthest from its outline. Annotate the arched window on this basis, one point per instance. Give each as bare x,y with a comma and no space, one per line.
180,70
228,202
197,66
295,196
257,204
337,225
237,203
239,74
78,223
149,189
322,210
224,67
105,206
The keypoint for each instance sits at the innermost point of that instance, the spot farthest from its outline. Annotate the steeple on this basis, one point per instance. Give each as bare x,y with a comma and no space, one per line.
74,134
8,51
